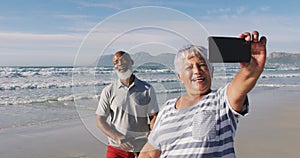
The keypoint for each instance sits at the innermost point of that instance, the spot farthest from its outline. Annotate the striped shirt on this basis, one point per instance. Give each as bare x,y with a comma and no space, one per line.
206,129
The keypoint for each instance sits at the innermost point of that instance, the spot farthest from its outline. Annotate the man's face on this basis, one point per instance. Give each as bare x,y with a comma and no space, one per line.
195,75
122,65
122,62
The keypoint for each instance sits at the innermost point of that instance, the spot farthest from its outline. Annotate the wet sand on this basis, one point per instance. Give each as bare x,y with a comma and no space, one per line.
68,139
271,129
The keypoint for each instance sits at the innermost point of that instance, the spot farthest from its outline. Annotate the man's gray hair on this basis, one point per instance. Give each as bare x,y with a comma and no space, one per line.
194,50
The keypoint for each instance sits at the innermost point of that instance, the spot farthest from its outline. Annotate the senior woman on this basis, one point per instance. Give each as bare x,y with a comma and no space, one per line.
203,122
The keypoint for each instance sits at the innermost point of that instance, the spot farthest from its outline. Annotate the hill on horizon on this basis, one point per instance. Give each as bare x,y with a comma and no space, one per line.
142,58
284,58
166,59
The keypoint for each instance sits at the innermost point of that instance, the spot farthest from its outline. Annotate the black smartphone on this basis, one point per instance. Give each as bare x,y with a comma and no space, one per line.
228,50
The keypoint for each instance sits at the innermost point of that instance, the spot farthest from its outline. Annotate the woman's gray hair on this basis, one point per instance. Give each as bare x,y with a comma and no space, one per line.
194,50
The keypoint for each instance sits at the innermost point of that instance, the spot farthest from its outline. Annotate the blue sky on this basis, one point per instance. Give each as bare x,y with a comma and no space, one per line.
53,32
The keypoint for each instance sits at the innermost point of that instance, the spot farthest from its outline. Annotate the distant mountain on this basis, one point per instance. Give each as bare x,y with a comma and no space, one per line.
166,59
142,58
284,58
105,60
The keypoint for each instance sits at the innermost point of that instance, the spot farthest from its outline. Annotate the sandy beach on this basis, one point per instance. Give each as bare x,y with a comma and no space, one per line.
272,127
69,139
270,130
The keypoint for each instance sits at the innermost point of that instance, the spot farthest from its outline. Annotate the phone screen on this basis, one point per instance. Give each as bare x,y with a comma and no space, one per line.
228,50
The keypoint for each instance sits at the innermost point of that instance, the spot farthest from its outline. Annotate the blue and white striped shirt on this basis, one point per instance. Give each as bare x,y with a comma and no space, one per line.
206,129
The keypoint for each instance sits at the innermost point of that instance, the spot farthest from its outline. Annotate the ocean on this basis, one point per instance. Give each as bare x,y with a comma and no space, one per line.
33,96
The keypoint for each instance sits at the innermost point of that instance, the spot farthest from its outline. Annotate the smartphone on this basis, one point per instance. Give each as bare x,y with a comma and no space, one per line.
228,50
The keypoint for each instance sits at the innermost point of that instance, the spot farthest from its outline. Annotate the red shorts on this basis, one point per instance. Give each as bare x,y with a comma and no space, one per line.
113,152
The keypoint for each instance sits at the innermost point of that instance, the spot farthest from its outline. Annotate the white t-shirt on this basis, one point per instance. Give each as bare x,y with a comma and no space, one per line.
128,108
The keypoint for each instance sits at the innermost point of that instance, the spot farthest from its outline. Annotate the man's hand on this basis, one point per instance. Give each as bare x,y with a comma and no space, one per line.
125,145
116,136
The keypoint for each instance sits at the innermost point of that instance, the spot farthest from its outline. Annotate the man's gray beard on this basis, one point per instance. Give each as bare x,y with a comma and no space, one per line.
124,75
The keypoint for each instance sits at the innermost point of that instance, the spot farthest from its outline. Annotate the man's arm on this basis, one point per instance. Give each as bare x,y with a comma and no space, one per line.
107,130
249,73
149,151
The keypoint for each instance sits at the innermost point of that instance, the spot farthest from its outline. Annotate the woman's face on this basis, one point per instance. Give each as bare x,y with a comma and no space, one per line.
195,75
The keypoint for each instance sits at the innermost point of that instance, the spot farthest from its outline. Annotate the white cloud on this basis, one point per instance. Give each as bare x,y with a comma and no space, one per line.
265,8
31,39
110,5
282,32
71,17
219,11
19,48
241,10
3,17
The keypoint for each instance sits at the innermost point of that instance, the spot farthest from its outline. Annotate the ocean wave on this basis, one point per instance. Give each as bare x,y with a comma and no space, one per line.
66,83
50,84
169,91
29,85
160,80
85,82
277,85
9,72
61,99
161,71
65,99
47,99
287,75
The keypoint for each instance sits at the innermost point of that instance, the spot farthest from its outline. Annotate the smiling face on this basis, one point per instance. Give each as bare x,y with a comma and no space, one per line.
195,75
122,65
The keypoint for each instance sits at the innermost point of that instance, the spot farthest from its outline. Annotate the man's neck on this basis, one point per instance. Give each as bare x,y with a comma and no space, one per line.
127,82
